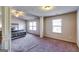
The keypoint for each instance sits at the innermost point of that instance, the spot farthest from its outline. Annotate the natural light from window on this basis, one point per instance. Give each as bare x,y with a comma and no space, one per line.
57,26
32,25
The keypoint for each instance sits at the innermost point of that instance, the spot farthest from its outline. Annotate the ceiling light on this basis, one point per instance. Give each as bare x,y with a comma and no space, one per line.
47,8
17,13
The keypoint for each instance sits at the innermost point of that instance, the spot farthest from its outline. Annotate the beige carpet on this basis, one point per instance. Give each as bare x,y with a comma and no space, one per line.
32,43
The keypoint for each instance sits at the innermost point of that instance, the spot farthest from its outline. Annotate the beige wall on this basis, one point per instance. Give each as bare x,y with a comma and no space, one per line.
37,32
68,27
22,23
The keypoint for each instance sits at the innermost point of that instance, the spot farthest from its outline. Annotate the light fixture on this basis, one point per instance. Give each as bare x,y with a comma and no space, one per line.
17,13
47,8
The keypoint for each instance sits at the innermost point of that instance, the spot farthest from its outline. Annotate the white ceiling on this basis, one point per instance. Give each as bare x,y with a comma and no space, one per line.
37,11
32,11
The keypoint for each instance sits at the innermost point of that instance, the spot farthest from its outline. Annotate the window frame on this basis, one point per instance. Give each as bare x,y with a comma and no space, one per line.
32,26
60,26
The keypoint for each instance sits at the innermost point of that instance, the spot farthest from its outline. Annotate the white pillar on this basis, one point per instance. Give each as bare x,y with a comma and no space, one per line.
41,27
78,28
6,28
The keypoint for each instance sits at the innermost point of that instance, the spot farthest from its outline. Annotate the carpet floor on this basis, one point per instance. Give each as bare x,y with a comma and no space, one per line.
33,43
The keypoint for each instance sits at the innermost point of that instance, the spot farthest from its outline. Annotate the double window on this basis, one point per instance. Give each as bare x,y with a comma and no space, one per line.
57,26
32,25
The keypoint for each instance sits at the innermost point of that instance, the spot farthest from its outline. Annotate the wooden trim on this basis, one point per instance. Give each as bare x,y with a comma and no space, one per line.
59,39
33,34
52,38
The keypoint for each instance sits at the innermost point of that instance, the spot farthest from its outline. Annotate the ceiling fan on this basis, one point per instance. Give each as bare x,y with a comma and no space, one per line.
17,13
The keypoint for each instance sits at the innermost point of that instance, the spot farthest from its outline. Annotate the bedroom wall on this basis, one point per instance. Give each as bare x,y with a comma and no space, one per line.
22,23
68,27
37,32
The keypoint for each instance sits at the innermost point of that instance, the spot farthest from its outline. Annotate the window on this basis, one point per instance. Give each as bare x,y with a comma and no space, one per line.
32,25
57,25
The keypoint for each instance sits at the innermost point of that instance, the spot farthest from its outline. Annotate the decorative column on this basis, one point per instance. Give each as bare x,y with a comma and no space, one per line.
78,28
41,27
6,28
